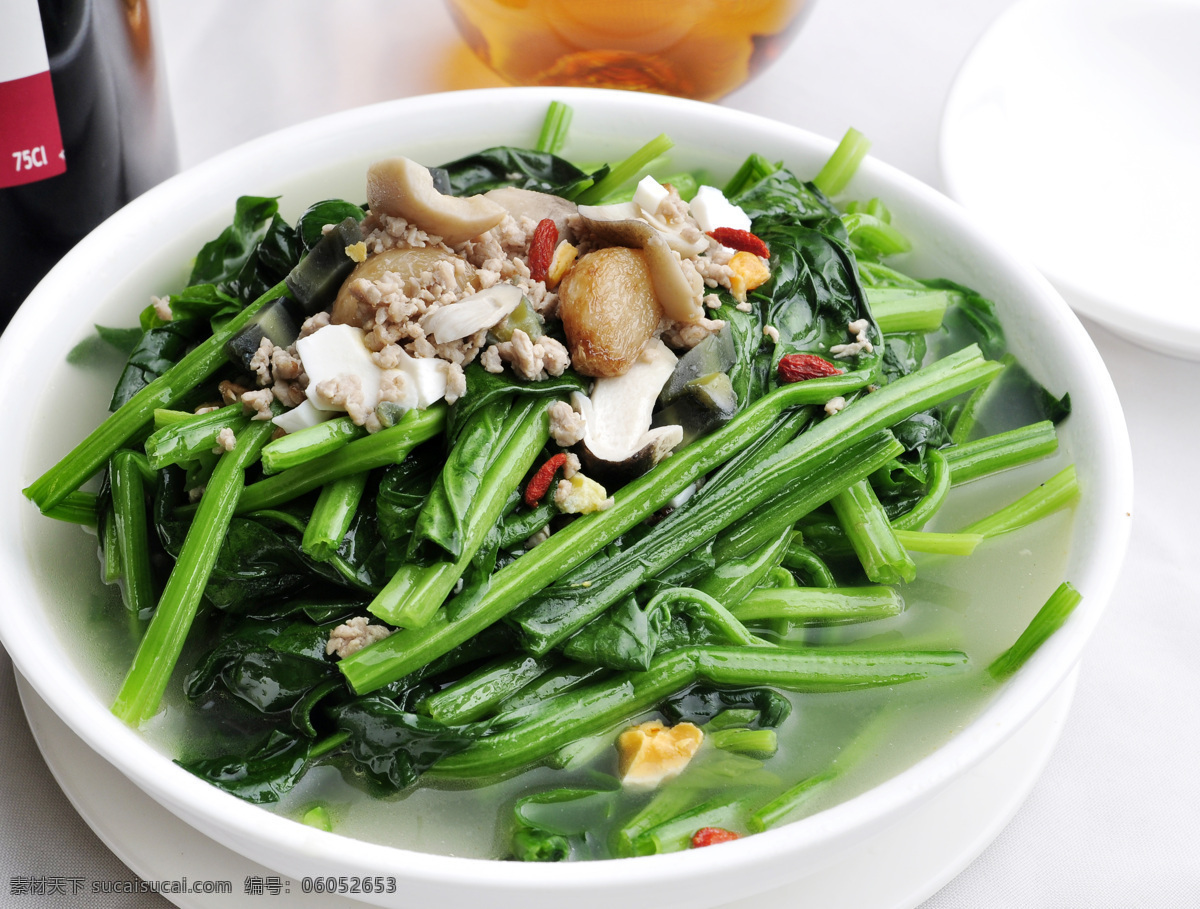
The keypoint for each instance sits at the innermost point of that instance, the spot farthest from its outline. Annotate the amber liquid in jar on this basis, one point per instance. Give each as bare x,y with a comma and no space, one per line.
700,49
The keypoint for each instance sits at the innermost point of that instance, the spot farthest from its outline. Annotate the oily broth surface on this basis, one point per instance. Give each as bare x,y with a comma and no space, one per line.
978,604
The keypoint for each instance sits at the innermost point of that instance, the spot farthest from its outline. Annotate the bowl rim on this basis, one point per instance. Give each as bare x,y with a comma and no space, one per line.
213,810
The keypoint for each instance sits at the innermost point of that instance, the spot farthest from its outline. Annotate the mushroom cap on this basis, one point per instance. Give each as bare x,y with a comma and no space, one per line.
529,203
402,188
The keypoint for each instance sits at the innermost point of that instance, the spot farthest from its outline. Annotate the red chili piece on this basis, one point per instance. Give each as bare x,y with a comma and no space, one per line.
710,836
541,248
798,367
741,240
540,484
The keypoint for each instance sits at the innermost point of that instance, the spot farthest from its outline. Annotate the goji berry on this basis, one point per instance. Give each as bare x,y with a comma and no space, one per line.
741,240
798,367
710,836
541,248
539,485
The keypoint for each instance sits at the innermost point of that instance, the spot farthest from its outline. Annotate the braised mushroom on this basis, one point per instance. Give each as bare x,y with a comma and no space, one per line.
404,189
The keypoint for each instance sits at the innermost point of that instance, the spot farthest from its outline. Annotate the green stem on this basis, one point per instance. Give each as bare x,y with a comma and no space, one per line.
862,517
332,515
415,592
958,544
900,309
304,445
159,649
130,526
968,416
821,606
77,507
1047,621
186,439
1058,492
382,449
597,707
554,128
991,454
478,694
800,558
626,170
94,451
760,743
842,164
936,490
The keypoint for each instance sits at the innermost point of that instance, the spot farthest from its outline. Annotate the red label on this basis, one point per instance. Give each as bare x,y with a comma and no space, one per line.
30,143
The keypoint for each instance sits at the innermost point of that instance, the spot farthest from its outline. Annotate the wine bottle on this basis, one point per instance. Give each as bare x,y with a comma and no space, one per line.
85,126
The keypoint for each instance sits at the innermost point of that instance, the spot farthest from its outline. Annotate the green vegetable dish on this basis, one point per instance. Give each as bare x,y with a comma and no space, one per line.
548,512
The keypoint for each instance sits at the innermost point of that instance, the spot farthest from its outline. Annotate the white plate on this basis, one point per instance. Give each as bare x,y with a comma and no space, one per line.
906,863
1074,130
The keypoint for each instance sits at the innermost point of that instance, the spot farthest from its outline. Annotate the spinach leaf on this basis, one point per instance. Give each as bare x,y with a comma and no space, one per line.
398,501
442,521
204,301
222,259
484,387
393,747
157,351
519,167
269,263
781,196
701,703
311,223
265,666
624,637
261,776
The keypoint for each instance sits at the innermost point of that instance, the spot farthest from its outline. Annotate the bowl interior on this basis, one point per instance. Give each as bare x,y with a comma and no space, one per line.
146,249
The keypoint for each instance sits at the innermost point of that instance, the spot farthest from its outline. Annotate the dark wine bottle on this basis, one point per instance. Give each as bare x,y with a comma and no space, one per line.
70,160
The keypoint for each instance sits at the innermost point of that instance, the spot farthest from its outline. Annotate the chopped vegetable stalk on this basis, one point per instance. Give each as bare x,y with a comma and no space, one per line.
867,527
821,606
89,455
554,128
959,544
1047,621
188,439
991,454
596,707
937,488
77,507
625,171
842,164
800,558
384,448
476,695
332,515
159,650
751,742
968,416
1058,492
129,520
900,309
299,447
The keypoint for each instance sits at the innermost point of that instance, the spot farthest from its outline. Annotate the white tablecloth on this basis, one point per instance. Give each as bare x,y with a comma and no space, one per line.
1115,820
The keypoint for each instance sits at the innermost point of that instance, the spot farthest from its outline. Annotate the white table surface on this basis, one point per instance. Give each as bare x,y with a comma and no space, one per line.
1115,820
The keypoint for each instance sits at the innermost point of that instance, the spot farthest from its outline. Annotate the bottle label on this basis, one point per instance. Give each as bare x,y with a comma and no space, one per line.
31,145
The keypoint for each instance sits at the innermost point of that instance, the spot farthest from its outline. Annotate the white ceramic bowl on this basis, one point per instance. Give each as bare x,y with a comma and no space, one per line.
146,248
